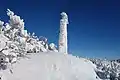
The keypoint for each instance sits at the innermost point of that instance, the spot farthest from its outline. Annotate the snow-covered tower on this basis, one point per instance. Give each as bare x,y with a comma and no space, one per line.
63,34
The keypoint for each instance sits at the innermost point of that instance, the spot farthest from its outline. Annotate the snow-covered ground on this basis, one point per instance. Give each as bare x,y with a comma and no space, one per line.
50,66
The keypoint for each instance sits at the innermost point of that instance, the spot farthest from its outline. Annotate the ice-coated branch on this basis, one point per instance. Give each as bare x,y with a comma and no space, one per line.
10,13
1,23
15,20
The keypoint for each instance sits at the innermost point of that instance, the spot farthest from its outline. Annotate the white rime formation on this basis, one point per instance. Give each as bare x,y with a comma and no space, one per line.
63,34
23,56
15,41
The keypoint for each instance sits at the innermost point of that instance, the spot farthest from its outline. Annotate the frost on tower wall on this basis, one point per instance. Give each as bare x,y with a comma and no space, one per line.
63,33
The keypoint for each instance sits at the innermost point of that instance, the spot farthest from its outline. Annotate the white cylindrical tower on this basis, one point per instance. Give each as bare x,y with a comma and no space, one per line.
63,48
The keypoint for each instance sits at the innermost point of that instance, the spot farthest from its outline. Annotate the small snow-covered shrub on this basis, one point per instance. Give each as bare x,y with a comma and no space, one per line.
107,69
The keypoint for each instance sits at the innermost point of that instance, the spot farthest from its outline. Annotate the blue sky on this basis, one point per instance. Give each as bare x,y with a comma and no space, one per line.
94,29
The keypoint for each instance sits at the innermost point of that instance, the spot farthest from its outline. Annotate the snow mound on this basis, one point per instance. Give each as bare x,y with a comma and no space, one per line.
51,66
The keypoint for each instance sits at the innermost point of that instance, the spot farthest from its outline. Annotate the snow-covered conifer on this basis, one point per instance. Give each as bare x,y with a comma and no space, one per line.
15,20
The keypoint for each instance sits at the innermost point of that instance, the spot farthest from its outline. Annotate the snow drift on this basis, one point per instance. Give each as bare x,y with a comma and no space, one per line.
51,66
